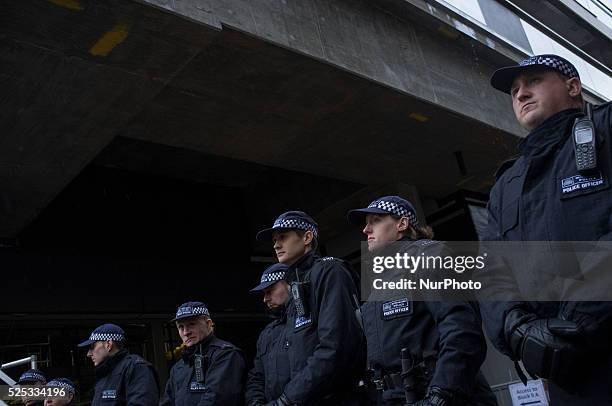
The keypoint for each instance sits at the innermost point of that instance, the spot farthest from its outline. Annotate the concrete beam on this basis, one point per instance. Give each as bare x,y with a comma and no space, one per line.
369,42
574,23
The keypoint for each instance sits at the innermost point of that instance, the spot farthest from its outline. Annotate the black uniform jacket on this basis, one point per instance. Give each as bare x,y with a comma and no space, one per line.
326,347
126,379
449,331
224,370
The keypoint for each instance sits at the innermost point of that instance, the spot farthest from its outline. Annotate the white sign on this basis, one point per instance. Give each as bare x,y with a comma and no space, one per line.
534,394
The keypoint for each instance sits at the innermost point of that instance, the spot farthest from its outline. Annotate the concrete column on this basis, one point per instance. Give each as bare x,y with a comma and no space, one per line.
159,360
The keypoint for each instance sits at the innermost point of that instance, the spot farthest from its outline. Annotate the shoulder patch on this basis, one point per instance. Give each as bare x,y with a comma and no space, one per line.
330,260
425,242
431,247
504,167
223,346
136,359
109,394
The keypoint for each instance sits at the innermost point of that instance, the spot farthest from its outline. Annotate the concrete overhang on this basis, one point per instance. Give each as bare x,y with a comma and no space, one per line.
574,23
340,89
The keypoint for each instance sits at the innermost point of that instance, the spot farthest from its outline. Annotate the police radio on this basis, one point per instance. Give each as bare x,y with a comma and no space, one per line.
298,291
299,296
585,148
198,367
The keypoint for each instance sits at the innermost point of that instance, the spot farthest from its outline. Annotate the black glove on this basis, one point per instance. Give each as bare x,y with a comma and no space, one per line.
436,397
549,348
283,400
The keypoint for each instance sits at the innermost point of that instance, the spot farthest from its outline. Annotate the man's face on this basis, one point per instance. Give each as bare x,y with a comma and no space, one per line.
381,229
194,329
99,351
538,95
276,295
58,402
26,400
289,246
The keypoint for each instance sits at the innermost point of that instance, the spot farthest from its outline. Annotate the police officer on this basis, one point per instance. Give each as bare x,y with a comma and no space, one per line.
121,378
270,371
211,371
530,203
34,377
444,337
322,337
69,392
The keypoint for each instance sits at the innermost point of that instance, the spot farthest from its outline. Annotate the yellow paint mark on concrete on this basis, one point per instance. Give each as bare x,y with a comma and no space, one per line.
418,117
69,4
448,31
110,40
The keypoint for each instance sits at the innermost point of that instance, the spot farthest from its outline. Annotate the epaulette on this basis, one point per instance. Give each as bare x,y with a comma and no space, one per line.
223,346
425,242
329,259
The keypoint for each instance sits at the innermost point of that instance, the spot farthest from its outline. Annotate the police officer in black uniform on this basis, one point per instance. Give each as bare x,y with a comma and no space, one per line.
67,399
270,372
121,378
443,337
322,337
211,371
34,377
546,194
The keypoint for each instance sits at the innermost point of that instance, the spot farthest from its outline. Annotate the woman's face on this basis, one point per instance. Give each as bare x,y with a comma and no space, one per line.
382,229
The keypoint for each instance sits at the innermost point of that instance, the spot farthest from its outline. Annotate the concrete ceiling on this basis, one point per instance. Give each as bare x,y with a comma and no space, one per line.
253,101
75,75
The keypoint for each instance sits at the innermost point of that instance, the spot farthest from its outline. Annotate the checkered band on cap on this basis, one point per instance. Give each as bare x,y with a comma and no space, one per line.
552,62
32,376
297,224
62,384
192,310
396,209
106,336
272,277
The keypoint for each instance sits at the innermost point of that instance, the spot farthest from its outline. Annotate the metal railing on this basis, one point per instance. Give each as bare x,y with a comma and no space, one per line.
32,360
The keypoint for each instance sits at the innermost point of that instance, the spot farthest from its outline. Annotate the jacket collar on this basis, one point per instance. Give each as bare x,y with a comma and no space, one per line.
199,347
551,132
109,364
304,263
393,247
277,313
